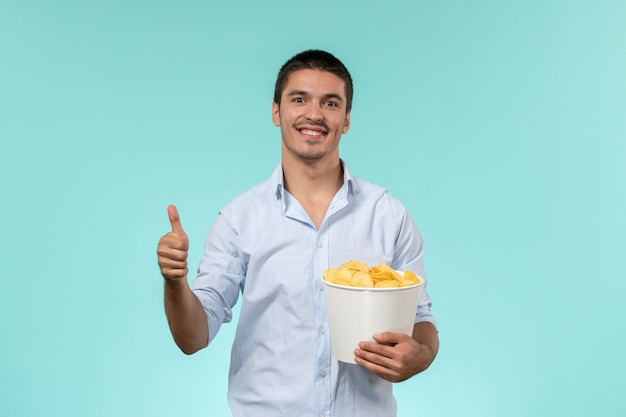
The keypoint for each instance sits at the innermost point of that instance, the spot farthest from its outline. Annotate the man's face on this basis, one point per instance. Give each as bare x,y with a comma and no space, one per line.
312,115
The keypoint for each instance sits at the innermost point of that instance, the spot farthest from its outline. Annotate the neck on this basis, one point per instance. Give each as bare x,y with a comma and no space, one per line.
312,178
314,184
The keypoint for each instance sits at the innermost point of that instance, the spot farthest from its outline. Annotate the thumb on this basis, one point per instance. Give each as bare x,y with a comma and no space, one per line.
172,213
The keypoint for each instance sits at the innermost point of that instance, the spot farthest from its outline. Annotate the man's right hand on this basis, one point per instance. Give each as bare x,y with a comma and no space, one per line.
173,248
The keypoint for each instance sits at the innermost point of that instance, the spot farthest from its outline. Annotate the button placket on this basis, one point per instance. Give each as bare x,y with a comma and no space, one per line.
321,259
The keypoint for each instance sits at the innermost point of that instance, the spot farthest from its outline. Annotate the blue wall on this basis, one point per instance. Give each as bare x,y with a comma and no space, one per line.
500,125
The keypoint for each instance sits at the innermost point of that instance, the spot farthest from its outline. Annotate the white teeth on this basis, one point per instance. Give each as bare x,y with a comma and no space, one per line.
311,132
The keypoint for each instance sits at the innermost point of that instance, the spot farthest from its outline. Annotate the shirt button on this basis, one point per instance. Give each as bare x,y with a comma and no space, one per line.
321,287
320,245
322,330
323,374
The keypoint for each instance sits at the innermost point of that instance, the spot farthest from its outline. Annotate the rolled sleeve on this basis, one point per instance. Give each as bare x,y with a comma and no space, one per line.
221,272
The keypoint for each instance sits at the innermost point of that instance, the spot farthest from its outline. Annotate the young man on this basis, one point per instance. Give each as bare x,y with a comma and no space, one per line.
272,244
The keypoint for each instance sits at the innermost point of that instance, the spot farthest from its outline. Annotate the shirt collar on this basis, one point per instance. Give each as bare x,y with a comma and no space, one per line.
278,182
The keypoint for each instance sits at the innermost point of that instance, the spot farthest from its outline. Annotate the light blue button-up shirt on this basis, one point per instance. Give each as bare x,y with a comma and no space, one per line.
264,246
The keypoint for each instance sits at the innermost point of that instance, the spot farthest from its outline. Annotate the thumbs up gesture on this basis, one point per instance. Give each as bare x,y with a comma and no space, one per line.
173,248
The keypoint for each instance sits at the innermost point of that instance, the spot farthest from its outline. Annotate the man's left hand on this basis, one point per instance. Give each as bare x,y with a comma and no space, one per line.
397,356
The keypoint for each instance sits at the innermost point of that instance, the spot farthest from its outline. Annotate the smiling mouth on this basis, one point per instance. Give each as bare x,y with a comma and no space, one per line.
310,132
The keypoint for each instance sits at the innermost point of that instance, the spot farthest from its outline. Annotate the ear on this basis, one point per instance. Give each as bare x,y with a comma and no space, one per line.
275,114
346,123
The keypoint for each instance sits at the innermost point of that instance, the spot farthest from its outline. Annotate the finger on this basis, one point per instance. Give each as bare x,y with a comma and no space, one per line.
172,267
172,213
174,273
390,338
376,349
169,262
381,358
174,246
380,365
173,242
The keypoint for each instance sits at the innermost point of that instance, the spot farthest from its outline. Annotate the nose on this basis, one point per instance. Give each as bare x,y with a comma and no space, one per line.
313,112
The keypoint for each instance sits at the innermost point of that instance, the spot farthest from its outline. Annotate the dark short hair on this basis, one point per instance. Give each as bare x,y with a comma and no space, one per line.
313,59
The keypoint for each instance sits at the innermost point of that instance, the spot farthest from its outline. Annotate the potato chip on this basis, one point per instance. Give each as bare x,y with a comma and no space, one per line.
356,266
411,277
362,279
329,275
358,274
343,276
385,272
388,283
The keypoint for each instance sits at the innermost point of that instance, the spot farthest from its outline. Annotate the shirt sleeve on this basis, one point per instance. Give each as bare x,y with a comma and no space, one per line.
409,254
221,273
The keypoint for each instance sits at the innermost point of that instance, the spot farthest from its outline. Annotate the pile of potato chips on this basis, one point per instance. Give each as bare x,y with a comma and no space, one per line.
358,274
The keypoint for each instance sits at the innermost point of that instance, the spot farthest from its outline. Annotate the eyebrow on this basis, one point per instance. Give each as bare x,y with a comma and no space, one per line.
304,93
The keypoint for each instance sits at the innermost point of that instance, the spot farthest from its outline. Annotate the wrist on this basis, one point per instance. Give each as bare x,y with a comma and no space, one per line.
175,283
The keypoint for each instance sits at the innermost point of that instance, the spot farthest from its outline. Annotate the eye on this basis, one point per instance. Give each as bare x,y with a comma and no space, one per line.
298,100
331,103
